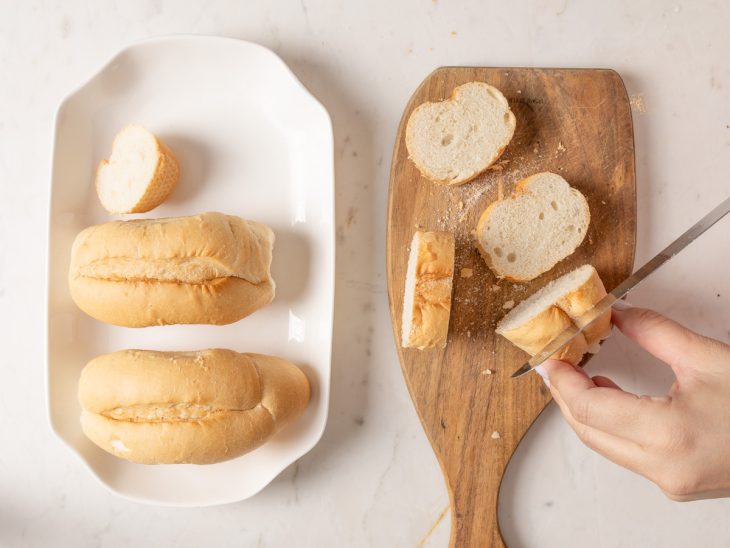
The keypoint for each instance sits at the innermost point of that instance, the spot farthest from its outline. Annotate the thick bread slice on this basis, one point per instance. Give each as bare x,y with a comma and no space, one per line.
139,175
453,141
543,222
187,407
210,268
540,318
427,295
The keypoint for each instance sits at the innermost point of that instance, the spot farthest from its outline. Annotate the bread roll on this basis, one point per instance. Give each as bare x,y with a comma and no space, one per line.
543,222
427,295
187,407
453,141
140,173
210,268
540,318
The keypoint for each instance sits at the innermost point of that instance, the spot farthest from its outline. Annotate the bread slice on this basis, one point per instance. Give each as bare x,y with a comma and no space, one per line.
453,141
543,222
427,296
540,318
140,174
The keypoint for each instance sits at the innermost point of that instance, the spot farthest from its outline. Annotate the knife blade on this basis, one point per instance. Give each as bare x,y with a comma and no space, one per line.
624,287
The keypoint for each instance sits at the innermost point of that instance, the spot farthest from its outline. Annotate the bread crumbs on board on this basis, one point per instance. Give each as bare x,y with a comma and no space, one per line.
495,435
467,272
509,304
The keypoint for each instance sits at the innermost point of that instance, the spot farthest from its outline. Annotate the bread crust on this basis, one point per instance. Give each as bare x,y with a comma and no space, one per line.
512,123
539,331
432,293
195,407
520,188
583,298
210,268
535,334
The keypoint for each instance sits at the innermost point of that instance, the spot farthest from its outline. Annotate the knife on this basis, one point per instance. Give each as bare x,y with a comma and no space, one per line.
624,287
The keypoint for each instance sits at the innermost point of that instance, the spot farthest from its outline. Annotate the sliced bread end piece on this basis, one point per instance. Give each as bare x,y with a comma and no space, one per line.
540,318
453,141
139,175
427,294
541,223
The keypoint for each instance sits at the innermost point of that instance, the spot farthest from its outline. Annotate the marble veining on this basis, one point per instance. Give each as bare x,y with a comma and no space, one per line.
372,480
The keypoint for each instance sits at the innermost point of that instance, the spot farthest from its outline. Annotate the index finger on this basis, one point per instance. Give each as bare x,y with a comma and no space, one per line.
605,408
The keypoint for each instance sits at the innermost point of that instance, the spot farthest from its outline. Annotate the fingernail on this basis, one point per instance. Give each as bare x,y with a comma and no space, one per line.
621,305
540,370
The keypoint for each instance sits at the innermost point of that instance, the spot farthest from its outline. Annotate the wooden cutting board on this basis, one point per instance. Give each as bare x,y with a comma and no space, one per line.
573,122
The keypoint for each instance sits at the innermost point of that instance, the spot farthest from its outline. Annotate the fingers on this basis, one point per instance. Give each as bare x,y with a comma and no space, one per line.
669,341
605,407
605,382
618,450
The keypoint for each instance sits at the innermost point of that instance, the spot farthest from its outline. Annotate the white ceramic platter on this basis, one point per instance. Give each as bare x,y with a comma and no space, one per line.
251,141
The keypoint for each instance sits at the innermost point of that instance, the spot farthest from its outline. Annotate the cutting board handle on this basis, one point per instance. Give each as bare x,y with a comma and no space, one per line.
475,502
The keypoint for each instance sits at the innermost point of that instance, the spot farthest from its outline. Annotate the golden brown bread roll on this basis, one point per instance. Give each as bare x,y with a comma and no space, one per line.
544,315
209,268
187,407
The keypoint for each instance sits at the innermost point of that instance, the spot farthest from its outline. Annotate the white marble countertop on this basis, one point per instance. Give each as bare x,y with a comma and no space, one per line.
372,480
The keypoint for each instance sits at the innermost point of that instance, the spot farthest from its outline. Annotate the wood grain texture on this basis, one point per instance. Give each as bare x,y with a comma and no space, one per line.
573,122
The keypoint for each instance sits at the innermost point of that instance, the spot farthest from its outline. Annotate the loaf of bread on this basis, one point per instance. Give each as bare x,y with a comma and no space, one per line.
187,407
210,268
453,141
139,175
543,222
540,318
427,295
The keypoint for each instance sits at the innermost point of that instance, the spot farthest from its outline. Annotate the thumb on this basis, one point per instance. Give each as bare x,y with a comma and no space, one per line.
674,344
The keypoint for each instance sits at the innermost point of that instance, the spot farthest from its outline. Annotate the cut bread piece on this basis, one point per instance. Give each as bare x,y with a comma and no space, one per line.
139,175
453,141
543,222
427,296
540,318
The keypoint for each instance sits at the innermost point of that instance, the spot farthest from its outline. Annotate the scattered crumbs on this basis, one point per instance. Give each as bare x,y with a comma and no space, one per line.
519,91
460,205
487,372
506,73
561,148
495,435
495,287
453,33
430,49
409,51
509,304
473,233
603,202
467,272
443,424
468,334
535,150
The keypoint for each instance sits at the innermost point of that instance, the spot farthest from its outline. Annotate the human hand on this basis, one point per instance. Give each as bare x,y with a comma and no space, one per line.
680,441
